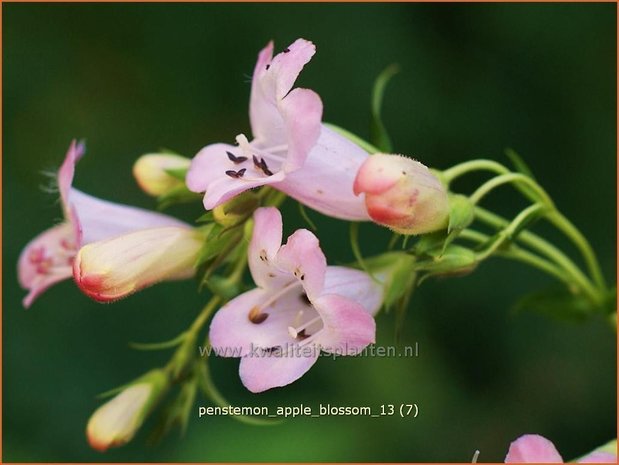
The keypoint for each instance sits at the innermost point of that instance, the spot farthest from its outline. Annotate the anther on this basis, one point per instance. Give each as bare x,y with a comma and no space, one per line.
236,160
256,316
236,174
286,50
268,66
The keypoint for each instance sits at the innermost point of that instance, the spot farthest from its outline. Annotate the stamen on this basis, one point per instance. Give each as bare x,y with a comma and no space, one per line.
286,50
303,327
234,159
268,66
279,294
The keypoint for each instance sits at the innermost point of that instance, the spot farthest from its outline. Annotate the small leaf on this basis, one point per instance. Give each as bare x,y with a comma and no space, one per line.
518,163
378,133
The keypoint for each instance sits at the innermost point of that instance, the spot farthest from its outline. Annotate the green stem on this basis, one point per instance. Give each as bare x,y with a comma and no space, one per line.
547,249
568,228
474,165
206,312
555,217
507,178
516,253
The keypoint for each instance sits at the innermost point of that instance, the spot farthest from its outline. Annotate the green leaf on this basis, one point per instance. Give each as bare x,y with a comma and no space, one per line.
557,303
518,163
378,133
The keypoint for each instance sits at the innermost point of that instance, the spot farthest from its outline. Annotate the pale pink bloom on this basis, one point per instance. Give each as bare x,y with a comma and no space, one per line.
291,150
403,194
533,448
300,307
48,258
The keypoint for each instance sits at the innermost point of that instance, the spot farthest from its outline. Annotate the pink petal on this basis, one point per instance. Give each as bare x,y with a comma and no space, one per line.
66,172
301,110
271,85
354,285
265,243
326,181
532,448
599,457
98,219
348,327
46,260
233,334
302,258
260,372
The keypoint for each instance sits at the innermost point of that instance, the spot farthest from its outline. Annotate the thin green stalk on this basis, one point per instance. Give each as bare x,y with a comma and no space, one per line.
568,228
474,165
545,248
507,178
516,253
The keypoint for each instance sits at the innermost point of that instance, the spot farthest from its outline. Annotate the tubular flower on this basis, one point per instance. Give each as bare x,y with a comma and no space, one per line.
403,194
48,258
533,448
300,307
291,150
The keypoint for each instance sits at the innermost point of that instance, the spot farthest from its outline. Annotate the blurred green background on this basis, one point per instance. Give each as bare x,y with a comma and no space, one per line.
475,79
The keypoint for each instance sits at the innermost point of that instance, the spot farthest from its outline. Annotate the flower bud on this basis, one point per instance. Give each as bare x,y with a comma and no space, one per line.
237,209
159,173
114,268
116,422
402,194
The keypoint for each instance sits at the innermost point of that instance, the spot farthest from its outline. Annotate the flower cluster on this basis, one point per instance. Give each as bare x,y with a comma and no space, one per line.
299,305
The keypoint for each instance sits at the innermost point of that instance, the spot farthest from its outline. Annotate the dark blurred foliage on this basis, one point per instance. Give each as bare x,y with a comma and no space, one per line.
475,79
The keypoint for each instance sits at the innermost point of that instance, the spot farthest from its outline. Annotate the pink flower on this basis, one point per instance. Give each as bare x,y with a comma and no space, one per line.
300,307
48,258
403,194
291,150
533,448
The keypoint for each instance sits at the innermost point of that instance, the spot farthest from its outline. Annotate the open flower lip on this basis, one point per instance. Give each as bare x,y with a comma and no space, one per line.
291,150
280,327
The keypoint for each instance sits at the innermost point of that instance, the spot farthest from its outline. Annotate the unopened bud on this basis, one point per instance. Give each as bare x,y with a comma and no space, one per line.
116,422
403,194
114,268
159,173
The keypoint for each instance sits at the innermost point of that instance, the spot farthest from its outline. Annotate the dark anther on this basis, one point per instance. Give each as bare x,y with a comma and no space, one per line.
236,160
302,335
286,50
268,66
265,169
256,162
302,277
305,299
236,174
256,316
